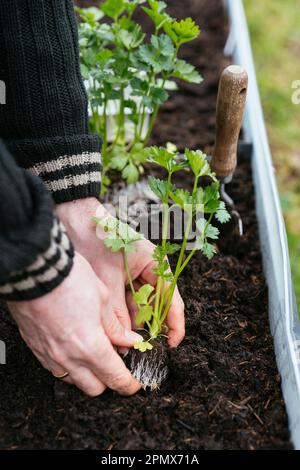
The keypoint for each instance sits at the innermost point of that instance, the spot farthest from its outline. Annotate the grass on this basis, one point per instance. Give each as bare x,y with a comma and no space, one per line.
275,34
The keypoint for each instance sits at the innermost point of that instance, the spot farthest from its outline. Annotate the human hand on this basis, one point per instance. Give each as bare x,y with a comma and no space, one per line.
71,329
109,267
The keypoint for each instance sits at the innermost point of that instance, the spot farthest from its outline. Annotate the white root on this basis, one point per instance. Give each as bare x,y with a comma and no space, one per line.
149,370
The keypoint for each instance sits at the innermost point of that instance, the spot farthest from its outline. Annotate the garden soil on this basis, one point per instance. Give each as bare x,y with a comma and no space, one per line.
223,389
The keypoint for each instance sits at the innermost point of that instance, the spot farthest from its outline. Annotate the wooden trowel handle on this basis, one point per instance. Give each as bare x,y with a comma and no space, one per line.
230,109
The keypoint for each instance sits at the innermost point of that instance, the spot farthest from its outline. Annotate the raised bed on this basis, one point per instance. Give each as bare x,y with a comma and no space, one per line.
284,319
223,391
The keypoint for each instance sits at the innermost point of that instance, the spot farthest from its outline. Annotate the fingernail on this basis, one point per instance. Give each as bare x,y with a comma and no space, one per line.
132,336
123,351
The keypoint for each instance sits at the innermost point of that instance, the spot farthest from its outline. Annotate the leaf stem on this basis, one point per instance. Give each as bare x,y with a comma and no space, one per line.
154,115
104,136
160,287
128,272
189,257
181,254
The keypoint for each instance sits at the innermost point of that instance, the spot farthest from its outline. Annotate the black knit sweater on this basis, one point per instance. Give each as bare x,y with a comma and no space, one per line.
43,125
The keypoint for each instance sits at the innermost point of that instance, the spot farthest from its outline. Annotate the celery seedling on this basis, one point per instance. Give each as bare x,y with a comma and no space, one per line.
201,205
134,75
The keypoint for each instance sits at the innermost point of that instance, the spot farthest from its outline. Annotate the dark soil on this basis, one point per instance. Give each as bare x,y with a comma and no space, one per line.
223,390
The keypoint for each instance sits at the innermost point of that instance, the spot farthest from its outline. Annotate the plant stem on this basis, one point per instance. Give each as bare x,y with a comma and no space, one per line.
104,136
165,293
156,109
155,112
122,116
128,272
141,123
189,257
187,260
160,286
177,270
181,254
151,124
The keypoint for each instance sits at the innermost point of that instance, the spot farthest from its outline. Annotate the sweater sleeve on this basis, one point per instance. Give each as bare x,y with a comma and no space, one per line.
44,121
35,252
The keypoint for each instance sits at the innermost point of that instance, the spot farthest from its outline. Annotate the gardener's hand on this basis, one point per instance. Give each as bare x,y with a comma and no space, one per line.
109,267
72,330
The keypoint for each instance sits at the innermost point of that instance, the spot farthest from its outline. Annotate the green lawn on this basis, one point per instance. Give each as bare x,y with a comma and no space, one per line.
275,34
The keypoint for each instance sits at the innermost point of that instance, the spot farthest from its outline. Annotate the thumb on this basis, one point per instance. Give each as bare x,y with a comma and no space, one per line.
119,308
117,333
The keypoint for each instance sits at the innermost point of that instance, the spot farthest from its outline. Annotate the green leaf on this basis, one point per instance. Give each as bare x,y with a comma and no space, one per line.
198,162
103,56
139,154
208,250
118,230
163,157
159,54
186,72
84,71
144,314
120,68
170,85
105,182
109,224
127,234
90,15
163,44
126,23
131,5
222,215
159,187
130,104
181,31
118,159
166,276
182,198
163,270
132,37
103,35
199,243
141,297
118,162
157,13
157,5
171,248
139,86
114,244
212,232
158,95
211,198
171,148
130,173
126,38
201,224
161,252
113,8
143,346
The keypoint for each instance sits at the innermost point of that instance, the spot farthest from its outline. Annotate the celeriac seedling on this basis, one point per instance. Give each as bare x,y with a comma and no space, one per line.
134,73
200,205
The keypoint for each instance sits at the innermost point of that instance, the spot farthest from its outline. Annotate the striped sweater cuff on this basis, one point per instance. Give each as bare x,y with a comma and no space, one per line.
71,177
69,166
45,273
